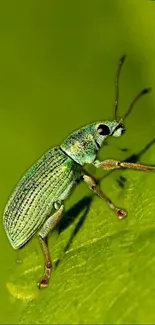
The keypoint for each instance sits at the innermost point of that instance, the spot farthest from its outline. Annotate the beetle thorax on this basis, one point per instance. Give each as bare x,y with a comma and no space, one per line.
80,146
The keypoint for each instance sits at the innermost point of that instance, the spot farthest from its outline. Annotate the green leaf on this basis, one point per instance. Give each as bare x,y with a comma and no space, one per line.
58,63
104,268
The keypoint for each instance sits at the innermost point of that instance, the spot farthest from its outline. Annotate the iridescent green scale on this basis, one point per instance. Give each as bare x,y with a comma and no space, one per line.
34,196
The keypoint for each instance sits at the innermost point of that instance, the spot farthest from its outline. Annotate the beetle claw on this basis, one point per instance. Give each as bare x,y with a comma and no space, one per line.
121,214
43,283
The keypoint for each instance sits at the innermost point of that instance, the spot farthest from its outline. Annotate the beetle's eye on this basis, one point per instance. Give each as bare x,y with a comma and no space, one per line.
103,129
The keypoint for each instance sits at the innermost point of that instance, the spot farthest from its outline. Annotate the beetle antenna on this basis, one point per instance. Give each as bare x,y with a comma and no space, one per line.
143,92
121,61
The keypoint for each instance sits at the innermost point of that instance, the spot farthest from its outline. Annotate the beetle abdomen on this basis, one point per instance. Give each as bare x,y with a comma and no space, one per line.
32,199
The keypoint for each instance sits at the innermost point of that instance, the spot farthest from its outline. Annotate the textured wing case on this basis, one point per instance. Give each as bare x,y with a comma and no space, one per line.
46,182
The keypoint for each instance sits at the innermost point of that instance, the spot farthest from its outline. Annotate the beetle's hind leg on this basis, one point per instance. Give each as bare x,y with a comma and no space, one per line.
49,224
48,264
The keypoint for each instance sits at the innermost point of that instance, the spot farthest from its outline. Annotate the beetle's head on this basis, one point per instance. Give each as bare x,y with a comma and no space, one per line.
83,144
108,128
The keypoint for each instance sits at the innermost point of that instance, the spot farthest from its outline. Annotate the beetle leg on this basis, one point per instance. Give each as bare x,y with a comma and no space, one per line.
114,164
93,186
49,224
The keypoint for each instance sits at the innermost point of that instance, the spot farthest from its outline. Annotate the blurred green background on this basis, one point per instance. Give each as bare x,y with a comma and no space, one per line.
58,61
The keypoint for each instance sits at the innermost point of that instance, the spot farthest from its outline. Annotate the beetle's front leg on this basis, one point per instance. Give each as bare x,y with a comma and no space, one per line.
115,164
49,224
93,186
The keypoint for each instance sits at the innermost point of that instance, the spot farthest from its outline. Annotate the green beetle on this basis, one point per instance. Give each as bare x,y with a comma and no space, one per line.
51,180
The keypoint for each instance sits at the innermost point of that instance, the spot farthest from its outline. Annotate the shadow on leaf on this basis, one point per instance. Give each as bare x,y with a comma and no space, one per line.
69,217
